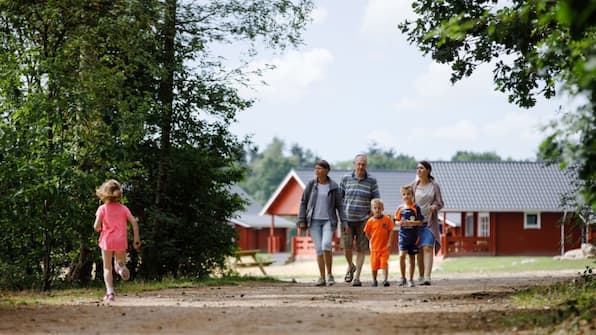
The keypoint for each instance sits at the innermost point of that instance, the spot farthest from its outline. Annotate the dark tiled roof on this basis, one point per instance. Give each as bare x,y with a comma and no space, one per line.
501,186
389,182
250,216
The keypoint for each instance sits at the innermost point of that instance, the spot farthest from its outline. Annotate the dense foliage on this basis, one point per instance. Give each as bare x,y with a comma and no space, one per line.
268,168
132,90
472,156
381,159
533,44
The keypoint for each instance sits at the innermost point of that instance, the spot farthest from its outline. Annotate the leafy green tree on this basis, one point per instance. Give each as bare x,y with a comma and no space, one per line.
544,42
461,156
267,169
63,110
383,159
193,156
132,90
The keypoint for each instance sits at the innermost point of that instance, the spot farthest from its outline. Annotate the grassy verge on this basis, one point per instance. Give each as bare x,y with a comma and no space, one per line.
569,306
97,290
510,264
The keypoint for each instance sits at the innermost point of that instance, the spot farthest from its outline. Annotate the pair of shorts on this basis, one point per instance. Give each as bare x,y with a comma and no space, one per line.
321,235
379,259
355,231
425,237
408,238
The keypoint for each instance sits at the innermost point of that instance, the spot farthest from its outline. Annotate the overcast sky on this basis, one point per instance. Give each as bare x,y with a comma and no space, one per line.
357,81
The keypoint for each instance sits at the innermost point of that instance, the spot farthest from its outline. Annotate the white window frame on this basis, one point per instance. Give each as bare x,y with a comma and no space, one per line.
469,224
529,226
483,224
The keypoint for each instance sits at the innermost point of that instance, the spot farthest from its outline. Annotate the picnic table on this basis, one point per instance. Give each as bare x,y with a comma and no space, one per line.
248,258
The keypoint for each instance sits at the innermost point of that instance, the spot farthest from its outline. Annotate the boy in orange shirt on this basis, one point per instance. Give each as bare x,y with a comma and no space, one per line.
378,230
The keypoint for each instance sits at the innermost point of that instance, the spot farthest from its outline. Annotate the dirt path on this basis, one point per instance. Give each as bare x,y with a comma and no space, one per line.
453,304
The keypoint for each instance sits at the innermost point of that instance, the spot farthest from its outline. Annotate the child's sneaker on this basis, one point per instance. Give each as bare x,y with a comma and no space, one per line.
411,283
122,270
330,280
108,297
320,282
386,283
402,282
375,283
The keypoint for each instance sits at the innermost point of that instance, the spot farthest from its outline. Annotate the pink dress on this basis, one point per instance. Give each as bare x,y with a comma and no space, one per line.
113,217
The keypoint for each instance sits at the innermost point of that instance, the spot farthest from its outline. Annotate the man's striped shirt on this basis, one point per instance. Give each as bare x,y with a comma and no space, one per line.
357,195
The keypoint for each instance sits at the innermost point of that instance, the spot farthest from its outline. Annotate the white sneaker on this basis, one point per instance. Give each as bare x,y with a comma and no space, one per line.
320,282
109,297
122,270
330,280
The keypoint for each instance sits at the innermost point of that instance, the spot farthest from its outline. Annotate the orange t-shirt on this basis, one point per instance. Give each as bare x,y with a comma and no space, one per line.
379,230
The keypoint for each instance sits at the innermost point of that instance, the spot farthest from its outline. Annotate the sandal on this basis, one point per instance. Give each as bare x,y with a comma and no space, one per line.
350,274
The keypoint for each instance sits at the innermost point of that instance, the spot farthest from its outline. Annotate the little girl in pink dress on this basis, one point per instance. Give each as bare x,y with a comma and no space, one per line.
111,220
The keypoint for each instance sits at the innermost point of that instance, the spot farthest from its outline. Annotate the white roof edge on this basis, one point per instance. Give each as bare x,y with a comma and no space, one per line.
240,223
504,210
290,174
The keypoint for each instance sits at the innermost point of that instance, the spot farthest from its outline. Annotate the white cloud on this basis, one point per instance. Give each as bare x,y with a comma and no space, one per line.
381,17
435,83
462,130
383,138
294,73
319,15
406,104
509,135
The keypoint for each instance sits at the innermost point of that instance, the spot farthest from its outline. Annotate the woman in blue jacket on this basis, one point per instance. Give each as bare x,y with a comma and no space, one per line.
321,208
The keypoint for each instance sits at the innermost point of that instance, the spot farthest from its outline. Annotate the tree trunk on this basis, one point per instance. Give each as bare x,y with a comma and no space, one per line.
80,271
166,97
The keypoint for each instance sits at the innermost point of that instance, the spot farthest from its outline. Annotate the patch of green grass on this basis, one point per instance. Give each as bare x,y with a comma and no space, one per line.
509,264
549,306
64,295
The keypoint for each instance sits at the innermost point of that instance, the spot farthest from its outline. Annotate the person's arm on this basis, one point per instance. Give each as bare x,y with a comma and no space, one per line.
389,241
135,231
375,190
419,212
397,217
303,204
437,203
367,229
341,209
97,224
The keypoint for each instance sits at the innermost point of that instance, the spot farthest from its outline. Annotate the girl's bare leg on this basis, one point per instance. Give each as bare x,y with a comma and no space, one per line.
121,264
107,255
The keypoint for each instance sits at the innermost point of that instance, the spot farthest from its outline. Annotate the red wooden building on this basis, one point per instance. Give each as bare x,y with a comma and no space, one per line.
491,208
506,208
254,231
